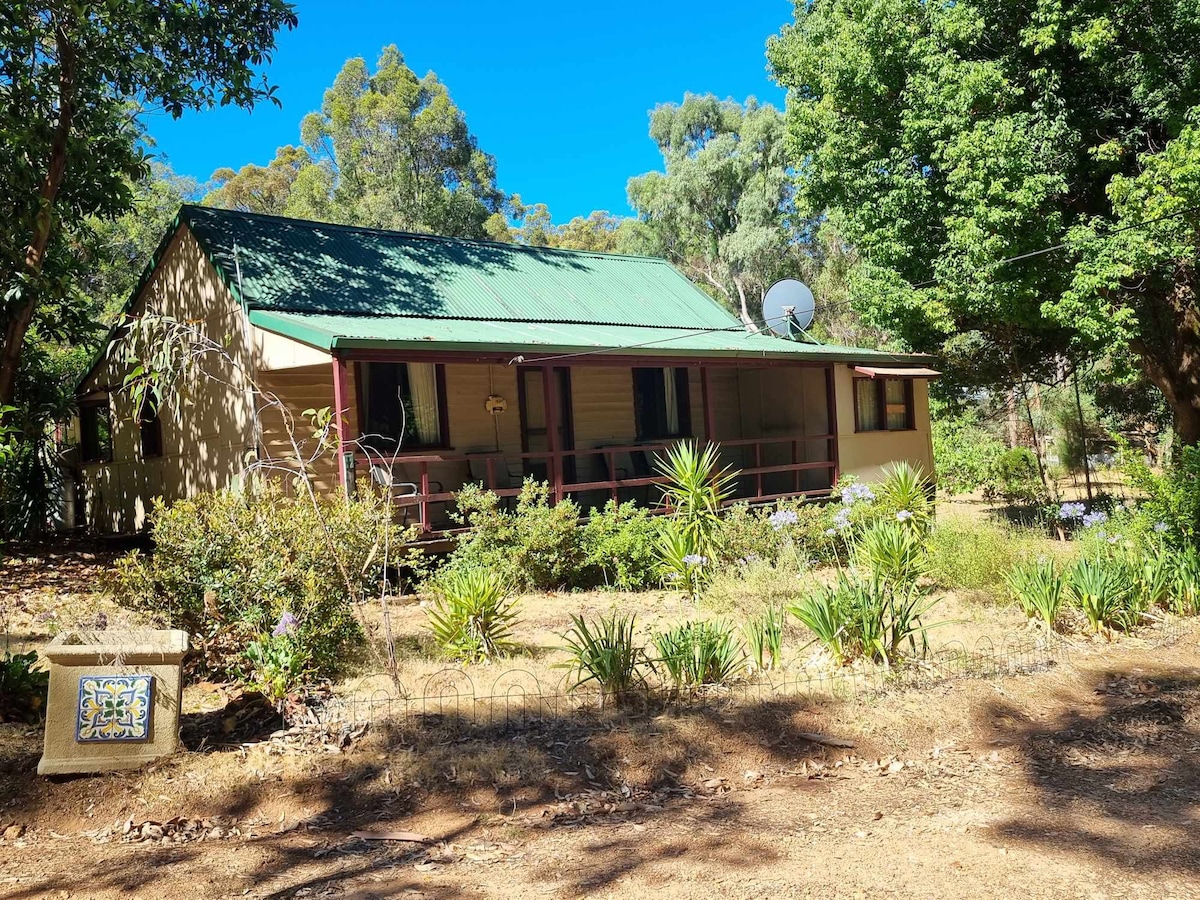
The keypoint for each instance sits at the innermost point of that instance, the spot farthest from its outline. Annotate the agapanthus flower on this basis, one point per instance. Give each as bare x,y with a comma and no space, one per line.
286,625
1160,527
903,516
831,531
695,559
842,519
1099,517
782,518
1069,511
853,493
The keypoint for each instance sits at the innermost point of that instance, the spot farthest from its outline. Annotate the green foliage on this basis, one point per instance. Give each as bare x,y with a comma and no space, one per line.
227,565
276,666
1017,479
1038,588
870,618
764,637
472,618
1185,583
903,496
695,490
699,653
893,553
619,547
978,555
951,136
965,455
1172,498
683,567
23,688
536,546
1100,587
790,530
607,654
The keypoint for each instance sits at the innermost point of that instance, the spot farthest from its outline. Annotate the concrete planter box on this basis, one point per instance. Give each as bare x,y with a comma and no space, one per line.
114,699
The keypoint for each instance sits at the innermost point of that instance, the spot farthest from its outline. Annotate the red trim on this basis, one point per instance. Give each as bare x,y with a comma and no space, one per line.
706,396
831,394
339,412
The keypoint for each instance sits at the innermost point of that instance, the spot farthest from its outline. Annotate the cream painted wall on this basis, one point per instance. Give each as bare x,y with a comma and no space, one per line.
866,454
206,428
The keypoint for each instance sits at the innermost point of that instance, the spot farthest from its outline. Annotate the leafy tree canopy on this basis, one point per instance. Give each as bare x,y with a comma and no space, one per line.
949,137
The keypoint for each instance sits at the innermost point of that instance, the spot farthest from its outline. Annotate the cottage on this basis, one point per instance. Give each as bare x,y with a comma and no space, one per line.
454,361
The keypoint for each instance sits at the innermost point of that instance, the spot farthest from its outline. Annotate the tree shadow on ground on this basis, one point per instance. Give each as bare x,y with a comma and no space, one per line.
1129,760
611,772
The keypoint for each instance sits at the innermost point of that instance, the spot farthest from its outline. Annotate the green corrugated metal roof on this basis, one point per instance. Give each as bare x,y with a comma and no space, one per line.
299,266
532,339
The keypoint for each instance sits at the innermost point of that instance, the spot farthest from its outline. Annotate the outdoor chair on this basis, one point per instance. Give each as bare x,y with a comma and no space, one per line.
401,489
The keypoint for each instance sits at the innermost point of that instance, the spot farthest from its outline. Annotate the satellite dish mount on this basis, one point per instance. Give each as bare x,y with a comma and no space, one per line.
788,308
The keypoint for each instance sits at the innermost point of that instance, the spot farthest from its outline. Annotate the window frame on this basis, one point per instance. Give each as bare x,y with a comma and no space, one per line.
880,384
683,398
363,401
89,414
150,424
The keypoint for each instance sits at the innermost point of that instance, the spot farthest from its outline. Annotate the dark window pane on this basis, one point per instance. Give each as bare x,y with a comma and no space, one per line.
95,432
151,432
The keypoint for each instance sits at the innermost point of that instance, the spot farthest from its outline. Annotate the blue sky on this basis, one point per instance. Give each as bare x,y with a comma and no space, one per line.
558,93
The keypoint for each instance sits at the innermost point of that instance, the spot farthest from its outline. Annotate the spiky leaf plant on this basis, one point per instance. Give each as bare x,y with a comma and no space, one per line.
695,489
472,618
764,637
893,553
606,654
1038,588
1100,588
904,493
699,653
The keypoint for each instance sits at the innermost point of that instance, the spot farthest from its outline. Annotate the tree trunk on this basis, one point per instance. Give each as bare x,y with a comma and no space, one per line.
35,253
1168,348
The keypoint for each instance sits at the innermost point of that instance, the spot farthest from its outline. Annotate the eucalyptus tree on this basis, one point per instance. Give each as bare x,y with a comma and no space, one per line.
722,209
74,77
982,156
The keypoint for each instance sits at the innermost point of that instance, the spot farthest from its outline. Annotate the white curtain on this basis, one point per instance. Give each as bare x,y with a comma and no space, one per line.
422,386
672,402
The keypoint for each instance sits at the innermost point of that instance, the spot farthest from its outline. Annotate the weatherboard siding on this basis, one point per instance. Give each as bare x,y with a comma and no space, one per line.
867,454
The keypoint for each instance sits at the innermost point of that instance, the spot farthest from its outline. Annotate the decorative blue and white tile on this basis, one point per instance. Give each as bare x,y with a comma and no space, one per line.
114,708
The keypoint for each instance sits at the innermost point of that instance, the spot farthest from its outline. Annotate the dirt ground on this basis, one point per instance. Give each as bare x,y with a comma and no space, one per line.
1078,780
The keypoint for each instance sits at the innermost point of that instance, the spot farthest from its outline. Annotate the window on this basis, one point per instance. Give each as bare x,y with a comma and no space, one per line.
95,432
403,405
151,432
661,403
883,404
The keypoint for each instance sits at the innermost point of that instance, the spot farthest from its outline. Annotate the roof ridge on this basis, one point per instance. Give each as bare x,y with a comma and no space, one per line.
735,324
416,235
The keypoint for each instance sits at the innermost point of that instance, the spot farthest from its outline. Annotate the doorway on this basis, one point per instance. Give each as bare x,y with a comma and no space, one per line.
531,397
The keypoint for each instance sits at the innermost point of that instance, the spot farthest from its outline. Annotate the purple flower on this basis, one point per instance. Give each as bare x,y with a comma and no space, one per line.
695,559
286,625
782,518
852,493
1160,527
831,531
842,519
1099,517
903,516
1069,511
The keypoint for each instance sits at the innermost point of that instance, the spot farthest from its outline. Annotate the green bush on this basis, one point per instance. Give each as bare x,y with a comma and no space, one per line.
472,617
869,618
23,688
699,653
536,546
619,547
684,568
606,654
965,455
892,552
1171,498
1185,583
789,529
276,663
978,555
903,496
1038,588
228,565
1017,480
1100,587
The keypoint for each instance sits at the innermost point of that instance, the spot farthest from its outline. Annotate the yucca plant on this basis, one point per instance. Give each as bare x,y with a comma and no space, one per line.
605,653
472,618
695,489
820,612
1038,588
904,492
699,653
1185,583
764,637
892,553
685,566
1100,589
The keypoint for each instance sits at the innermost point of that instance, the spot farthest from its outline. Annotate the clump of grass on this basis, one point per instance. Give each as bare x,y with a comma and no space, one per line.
1038,588
699,653
1185,583
472,618
605,653
764,637
977,556
1101,590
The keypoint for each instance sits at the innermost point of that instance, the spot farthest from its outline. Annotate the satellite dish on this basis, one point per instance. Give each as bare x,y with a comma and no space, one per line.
788,306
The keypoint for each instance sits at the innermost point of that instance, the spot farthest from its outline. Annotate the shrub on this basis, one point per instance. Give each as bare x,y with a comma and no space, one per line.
276,662
699,653
1017,478
1150,573
870,618
1172,498
764,637
1100,589
605,653
619,547
472,618
227,565
23,688
536,546
1185,583
1038,588
978,555
965,455
694,491
788,530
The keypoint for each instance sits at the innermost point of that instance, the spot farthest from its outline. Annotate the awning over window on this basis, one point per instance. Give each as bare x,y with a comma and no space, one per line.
878,372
